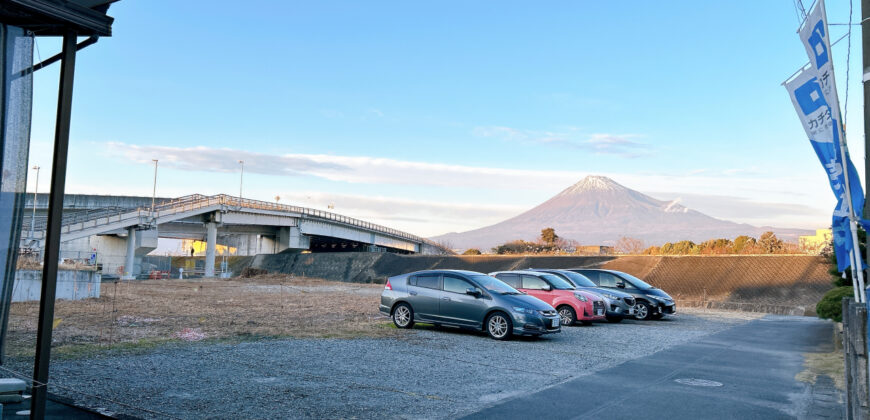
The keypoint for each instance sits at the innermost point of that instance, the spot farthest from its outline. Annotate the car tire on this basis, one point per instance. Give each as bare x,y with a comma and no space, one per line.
499,326
403,316
615,319
567,315
643,311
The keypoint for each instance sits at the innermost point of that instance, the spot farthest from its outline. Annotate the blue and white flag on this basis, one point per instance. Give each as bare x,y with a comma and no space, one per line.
824,134
814,95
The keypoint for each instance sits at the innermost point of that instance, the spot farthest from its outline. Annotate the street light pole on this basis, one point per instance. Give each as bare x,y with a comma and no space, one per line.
35,190
241,176
154,191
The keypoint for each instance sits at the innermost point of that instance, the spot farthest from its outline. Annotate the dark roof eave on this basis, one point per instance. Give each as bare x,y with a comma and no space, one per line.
54,17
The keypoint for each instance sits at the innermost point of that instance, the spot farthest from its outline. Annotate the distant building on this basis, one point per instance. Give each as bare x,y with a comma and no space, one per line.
815,244
595,250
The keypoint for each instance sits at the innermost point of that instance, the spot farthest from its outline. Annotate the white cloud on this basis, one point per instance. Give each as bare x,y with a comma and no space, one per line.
351,169
623,145
425,218
784,200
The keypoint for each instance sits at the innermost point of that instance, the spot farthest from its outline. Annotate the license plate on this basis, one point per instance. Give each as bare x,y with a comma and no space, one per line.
555,322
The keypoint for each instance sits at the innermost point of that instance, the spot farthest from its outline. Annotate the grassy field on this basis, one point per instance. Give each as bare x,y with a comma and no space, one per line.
144,314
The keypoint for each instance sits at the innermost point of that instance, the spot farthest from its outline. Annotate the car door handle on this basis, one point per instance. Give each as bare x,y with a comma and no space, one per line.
445,298
412,293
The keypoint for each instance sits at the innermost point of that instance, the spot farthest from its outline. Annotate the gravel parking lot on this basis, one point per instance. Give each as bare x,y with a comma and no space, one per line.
422,373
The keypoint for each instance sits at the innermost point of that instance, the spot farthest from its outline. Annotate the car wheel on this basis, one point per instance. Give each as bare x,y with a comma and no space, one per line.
499,326
614,319
403,316
567,315
643,311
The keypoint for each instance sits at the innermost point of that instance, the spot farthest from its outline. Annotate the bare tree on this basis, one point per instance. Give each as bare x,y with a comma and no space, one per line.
626,245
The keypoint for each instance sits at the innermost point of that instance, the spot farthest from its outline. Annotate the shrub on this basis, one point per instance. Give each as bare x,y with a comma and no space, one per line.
831,305
249,272
472,251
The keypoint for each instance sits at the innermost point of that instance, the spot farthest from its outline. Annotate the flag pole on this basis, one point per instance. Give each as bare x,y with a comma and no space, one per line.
853,225
865,44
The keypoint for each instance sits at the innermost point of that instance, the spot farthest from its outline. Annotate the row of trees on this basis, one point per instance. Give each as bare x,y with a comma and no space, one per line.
550,243
767,243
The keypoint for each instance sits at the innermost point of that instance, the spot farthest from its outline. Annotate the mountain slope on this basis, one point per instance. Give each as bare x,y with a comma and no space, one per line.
599,211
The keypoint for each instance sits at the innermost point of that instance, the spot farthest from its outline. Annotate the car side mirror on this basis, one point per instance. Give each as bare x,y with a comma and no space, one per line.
620,284
547,288
472,291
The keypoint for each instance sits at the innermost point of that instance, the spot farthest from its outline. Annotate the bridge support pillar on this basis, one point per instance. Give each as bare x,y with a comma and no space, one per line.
130,262
292,238
210,245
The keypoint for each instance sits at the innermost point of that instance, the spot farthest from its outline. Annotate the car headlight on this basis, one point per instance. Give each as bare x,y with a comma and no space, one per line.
580,297
609,296
523,310
661,299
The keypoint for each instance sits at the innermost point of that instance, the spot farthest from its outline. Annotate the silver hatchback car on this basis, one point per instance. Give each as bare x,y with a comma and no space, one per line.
466,299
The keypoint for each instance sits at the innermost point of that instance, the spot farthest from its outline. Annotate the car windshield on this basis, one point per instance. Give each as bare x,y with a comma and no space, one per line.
578,279
495,285
640,284
557,282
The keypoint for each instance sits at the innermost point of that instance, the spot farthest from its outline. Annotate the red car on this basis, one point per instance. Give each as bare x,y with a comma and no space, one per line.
573,305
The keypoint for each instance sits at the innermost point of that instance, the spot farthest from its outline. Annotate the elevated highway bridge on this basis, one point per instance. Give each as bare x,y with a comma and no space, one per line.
251,226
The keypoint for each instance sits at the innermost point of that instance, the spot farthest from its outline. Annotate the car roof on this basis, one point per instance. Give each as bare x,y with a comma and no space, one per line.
439,271
596,269
519,272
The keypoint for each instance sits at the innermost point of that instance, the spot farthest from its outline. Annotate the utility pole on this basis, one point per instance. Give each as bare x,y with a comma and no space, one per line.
35,190
241,176
865,48
154,191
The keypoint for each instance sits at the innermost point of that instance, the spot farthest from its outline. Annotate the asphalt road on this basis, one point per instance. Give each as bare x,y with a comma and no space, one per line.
745,372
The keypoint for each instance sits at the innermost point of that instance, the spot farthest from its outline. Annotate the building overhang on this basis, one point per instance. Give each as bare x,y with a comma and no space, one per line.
56,17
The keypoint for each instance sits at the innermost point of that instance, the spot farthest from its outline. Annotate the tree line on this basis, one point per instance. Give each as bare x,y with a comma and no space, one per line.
551,243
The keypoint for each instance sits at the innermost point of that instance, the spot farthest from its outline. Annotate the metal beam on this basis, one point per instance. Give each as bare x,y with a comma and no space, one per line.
55,213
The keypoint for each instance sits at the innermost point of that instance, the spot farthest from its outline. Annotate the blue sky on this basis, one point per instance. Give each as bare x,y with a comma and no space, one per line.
445,116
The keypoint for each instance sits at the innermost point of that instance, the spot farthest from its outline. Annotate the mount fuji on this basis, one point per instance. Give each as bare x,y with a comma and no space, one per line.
599,211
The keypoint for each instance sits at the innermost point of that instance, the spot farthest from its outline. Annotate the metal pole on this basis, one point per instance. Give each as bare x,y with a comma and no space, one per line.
52,232
35,191
865,44
241,175
154,191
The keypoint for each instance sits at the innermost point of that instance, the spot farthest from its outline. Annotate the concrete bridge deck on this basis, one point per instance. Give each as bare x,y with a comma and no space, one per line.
284,227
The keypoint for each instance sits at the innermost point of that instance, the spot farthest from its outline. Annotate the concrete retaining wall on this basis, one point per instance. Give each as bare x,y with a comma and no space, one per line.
72,285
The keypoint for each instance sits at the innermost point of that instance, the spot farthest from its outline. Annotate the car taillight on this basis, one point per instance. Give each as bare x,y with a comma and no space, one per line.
387,285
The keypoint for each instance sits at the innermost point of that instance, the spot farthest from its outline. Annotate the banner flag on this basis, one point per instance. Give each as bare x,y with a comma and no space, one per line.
814,36
814,95
822,130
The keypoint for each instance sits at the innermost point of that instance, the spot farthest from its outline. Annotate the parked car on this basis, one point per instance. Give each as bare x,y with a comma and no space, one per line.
619,304
652,303
466,299
573,305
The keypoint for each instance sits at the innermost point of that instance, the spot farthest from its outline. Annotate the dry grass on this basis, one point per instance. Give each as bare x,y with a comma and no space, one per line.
827,364
34,264
155,311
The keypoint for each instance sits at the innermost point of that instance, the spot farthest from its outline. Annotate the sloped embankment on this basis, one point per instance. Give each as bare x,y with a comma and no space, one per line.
376,267
766,283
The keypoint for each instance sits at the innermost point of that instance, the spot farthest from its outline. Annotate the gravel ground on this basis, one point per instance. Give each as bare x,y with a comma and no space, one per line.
425,373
